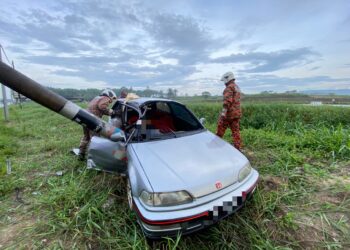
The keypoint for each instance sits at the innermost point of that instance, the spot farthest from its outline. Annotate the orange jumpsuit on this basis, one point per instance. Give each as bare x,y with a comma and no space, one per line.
99,107
231,113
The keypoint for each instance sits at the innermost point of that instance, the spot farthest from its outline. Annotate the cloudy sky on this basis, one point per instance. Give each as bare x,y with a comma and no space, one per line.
269,45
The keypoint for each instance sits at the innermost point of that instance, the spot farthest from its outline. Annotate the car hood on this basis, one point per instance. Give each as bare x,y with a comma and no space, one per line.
201,163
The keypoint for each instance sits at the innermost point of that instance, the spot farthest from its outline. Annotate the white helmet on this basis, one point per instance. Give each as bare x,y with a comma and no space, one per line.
110,93
228,76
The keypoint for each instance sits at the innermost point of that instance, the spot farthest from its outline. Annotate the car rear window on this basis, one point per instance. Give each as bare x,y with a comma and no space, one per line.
182,113
164,120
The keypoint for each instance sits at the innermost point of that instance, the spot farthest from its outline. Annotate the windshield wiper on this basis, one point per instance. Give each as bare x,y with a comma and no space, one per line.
163,135
155,138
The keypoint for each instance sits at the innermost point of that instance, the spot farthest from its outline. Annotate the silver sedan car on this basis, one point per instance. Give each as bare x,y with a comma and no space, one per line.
181,177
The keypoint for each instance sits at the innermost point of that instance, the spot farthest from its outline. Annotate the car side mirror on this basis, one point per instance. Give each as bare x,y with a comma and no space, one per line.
202,120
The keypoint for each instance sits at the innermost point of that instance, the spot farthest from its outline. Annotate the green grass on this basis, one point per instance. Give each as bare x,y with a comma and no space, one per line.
302,201
278,116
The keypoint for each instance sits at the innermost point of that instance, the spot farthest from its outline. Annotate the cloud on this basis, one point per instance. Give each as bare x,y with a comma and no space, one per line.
258,82
70,27
346,22
123,70
270,61
134,76
86,38
315,68
187,40
137,43
54,32
179,32
250,46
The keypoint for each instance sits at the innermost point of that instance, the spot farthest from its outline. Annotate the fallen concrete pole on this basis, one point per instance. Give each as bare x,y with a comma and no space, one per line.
38,93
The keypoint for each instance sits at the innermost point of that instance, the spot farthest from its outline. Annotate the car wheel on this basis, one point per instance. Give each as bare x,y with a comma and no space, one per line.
129,194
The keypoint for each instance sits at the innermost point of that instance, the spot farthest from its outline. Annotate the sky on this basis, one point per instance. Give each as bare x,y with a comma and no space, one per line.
188,45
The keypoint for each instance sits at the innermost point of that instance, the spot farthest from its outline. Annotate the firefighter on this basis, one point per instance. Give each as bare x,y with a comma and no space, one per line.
123,94
231,112
99,106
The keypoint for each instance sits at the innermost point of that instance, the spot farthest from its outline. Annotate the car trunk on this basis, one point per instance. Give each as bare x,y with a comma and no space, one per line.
200,163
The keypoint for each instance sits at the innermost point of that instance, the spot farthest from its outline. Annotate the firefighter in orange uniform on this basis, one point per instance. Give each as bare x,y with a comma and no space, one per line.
99,106
231,112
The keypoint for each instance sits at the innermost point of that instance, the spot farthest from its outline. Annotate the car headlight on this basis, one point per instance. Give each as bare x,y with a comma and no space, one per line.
244,172
165,199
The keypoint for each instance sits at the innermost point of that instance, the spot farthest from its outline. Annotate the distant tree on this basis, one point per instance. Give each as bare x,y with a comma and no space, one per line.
147,92
291,92
267,92
170,93
206,94
89,94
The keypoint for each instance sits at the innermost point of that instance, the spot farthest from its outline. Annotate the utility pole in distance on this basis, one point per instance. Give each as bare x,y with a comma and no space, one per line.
4,97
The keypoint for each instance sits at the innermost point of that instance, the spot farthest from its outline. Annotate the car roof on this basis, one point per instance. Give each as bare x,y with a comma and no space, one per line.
142,100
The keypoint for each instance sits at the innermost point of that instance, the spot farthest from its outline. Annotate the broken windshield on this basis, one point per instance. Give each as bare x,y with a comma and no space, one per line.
164,120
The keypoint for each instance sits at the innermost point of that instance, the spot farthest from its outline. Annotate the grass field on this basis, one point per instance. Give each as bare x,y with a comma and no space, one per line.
302,200
273,98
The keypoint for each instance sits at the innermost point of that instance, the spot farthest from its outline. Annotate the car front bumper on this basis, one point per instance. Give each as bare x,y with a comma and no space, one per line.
157,224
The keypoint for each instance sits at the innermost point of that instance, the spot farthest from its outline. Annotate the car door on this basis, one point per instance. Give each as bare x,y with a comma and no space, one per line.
109,156
106,155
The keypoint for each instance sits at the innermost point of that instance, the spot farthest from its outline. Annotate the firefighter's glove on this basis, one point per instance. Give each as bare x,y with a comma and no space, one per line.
118,135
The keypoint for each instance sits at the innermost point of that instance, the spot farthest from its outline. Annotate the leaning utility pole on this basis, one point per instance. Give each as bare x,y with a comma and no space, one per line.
18,95
4,97
12,92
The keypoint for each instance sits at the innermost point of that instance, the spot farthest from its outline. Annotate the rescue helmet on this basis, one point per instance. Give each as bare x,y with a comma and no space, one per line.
228,76
109,93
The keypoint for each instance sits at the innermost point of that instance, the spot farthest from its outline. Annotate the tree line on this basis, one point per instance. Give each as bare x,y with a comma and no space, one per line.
170,93
89,94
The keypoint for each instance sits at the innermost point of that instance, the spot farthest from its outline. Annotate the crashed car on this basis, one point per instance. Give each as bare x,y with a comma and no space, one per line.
181,177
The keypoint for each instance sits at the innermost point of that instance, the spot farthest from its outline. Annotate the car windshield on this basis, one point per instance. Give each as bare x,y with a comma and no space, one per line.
164,120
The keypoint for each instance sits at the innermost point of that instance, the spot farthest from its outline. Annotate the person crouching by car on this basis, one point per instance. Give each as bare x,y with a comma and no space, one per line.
99,106
231,112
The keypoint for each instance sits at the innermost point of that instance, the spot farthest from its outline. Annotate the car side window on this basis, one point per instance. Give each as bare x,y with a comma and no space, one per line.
163,106
117,107
131,116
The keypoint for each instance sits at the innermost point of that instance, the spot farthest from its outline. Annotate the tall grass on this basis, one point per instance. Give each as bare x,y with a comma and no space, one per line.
296,149
279,116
